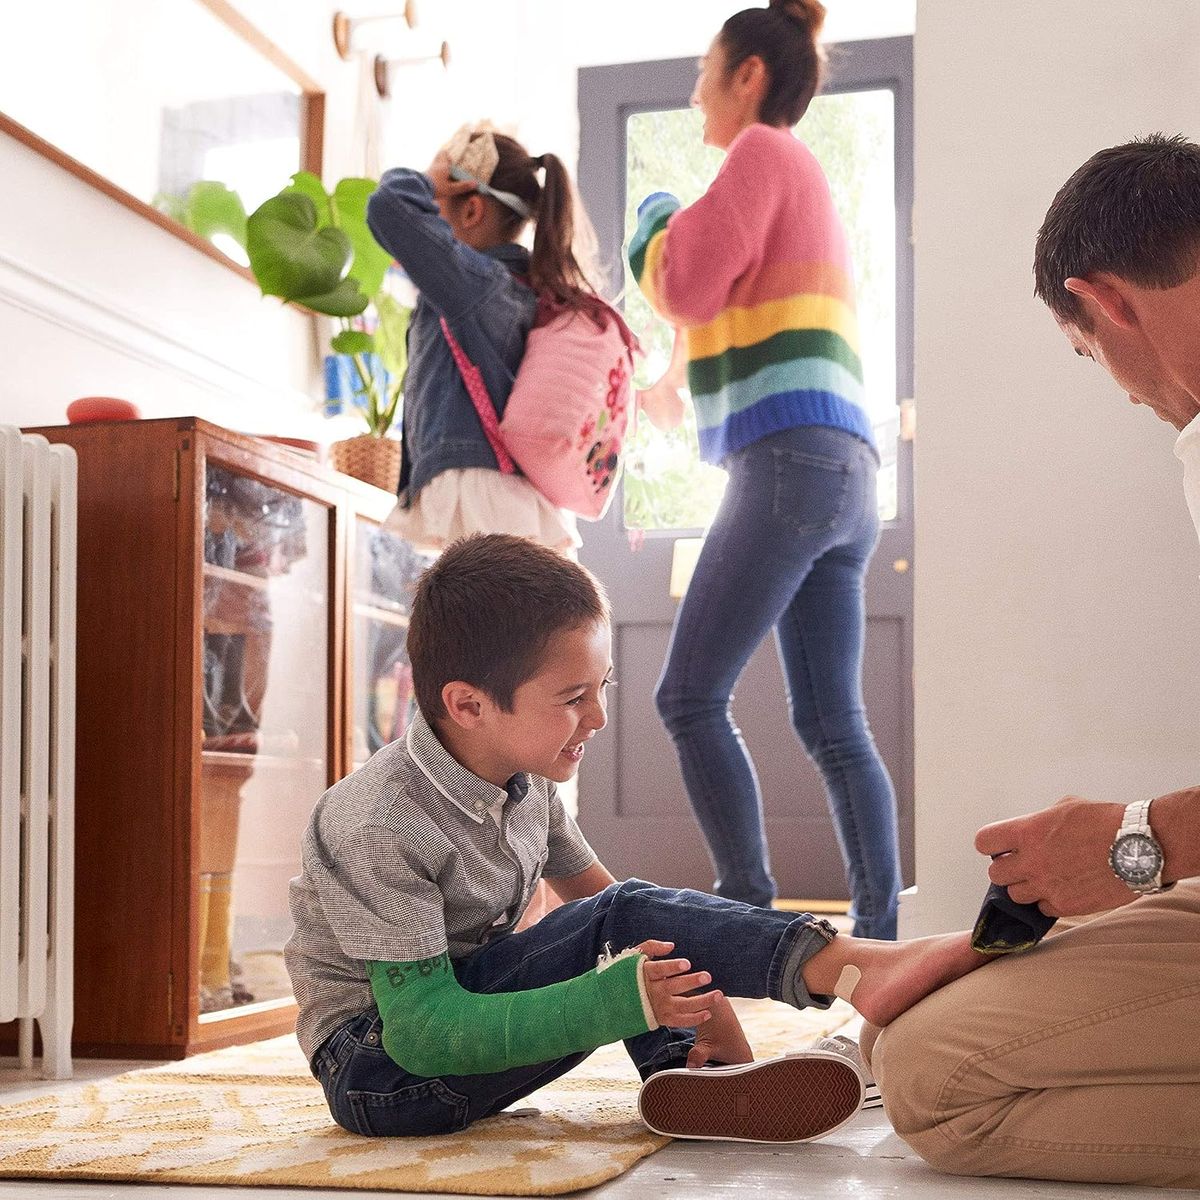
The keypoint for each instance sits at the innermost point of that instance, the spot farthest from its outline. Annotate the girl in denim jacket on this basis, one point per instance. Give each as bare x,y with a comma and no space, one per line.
454,229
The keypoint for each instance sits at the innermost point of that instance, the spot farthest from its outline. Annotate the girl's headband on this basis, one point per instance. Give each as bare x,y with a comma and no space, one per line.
473,159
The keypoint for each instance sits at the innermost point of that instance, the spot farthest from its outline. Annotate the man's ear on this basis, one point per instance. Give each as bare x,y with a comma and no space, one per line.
465,705
1101,293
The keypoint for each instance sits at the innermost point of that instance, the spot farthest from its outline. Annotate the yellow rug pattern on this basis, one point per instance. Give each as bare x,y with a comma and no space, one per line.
254,1116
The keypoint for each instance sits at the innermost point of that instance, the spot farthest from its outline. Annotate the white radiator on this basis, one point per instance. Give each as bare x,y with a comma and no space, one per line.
37,747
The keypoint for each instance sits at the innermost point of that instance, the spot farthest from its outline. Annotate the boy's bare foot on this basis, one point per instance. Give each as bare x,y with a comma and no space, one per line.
721,1038
894,975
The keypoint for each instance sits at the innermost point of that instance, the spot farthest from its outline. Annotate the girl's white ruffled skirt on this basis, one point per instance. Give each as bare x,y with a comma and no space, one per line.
478,500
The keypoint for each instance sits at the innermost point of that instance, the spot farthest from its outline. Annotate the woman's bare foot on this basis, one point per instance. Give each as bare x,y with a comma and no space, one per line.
894,975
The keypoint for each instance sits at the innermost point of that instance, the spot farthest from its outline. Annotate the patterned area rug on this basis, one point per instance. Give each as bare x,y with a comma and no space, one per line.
254,1116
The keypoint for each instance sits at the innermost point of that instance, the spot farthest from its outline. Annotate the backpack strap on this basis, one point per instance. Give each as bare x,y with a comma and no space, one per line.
477,390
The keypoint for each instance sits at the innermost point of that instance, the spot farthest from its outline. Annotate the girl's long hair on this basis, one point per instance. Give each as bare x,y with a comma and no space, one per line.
562,264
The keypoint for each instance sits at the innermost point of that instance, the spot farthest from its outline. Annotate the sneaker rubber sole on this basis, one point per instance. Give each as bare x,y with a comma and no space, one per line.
793,1098
848,1048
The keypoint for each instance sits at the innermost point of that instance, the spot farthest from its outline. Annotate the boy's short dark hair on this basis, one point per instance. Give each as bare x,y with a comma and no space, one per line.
1132,210
485,611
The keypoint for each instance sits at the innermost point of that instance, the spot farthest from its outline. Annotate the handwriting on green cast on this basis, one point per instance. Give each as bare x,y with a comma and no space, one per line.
398,973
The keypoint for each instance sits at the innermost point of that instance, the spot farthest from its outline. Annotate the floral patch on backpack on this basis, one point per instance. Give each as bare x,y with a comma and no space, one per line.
603,435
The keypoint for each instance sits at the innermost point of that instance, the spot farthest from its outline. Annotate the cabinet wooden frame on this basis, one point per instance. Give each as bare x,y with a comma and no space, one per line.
139,717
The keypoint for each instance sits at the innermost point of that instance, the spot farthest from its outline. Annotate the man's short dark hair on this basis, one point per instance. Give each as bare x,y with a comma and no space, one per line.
1131,210
485,611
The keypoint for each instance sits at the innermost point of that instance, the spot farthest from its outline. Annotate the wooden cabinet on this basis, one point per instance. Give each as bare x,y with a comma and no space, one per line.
241,647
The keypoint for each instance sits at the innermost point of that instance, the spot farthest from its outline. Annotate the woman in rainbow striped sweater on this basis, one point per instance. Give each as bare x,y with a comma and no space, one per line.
757,270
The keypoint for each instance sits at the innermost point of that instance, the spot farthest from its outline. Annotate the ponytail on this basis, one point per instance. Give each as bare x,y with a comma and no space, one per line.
785,35
560,265
554,268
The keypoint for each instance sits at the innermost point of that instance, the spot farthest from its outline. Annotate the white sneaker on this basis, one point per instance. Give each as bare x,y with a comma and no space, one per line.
848,1048
792,1098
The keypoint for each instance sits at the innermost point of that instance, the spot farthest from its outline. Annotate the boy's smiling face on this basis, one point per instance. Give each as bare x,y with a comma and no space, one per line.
554,713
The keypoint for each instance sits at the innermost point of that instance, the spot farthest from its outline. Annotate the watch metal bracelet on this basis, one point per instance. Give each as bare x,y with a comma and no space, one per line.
1136,819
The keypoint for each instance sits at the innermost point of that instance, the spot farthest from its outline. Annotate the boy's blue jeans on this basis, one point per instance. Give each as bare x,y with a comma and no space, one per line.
788,550
749,951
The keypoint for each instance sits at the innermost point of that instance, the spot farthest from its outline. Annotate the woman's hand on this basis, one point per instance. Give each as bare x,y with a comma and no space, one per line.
668,980
663,402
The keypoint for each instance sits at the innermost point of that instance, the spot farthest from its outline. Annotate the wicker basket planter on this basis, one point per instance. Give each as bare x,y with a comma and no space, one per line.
372,459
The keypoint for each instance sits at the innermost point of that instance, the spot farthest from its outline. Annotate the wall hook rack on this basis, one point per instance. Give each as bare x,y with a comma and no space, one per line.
383,67
344,25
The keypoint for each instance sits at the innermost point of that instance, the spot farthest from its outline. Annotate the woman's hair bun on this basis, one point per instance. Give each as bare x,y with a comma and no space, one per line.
809,13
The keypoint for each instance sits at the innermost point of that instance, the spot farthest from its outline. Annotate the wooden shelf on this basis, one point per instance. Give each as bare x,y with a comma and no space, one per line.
245,1010
389,616
240,578
245,758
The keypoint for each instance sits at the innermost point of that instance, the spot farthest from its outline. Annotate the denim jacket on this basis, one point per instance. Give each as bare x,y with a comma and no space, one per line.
489,311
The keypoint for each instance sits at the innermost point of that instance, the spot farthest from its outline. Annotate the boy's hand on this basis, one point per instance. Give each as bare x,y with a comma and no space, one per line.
667,982
721,1038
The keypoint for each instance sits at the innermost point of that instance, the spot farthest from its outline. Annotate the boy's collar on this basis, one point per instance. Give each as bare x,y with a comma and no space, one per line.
463,788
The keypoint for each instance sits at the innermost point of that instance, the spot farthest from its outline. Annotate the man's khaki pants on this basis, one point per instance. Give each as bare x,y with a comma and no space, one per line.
1079,1060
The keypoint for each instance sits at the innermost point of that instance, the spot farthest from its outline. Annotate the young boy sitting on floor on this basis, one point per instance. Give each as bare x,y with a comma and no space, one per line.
421,1011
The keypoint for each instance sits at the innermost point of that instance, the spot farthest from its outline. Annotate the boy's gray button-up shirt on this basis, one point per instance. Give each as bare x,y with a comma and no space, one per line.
401,861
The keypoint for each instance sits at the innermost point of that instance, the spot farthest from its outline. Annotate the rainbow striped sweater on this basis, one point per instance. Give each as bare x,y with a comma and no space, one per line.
758,272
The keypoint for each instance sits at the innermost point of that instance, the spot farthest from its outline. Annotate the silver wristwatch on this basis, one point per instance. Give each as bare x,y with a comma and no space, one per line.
1135,855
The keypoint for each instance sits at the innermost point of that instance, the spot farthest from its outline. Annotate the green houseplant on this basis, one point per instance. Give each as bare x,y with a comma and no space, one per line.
313,248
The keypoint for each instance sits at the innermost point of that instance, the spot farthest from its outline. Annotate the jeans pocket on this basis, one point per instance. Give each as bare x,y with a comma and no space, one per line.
419,1110
810,490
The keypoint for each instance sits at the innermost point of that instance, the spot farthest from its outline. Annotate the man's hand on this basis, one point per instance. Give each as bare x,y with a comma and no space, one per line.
1058,858
668,980
721,1038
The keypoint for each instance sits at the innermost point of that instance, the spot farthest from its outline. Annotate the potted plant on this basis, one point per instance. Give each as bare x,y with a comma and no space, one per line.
312,247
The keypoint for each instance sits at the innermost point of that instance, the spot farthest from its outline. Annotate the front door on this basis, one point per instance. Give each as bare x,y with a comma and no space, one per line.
638,135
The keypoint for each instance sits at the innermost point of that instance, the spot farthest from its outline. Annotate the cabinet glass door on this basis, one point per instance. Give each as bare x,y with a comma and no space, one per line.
385,576
264,749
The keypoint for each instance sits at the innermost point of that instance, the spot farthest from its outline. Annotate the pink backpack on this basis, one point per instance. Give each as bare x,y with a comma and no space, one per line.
566,418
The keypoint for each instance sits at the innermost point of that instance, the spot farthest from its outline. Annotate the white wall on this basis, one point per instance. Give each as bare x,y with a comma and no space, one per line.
1056,567
96,300
515,62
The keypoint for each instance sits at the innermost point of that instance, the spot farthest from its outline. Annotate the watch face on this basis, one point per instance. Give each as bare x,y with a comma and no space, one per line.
1136,858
